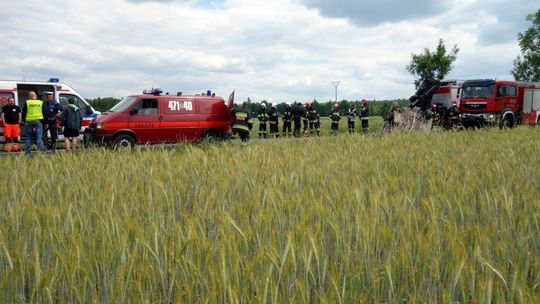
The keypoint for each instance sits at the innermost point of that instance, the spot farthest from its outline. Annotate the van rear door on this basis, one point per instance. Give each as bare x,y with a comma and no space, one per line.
230,103
179,119
24,88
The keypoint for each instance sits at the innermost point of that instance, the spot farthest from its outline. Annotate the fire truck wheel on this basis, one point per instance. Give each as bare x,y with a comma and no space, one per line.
124,141
507,122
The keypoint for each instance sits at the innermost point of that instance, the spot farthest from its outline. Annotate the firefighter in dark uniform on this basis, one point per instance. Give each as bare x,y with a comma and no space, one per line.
351,116
297,113
364,116
453,115
242,122
51,110
313,116
305,119
274,121
335,116
287,120
263,121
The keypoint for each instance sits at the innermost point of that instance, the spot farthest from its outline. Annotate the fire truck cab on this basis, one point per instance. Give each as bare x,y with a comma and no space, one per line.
154,118
62,92
499,102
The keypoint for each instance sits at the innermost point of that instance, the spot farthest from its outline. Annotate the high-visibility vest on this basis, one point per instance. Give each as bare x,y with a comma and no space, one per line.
34,110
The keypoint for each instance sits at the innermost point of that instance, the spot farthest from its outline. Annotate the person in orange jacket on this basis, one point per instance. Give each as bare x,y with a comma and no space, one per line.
12,117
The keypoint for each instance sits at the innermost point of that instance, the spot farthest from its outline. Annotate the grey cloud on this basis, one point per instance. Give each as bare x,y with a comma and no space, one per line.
497,21
511,20
369,13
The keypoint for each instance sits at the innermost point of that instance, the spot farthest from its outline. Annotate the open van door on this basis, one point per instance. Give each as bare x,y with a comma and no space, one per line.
231,102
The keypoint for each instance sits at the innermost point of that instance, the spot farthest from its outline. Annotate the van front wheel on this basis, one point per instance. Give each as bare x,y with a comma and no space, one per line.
124,141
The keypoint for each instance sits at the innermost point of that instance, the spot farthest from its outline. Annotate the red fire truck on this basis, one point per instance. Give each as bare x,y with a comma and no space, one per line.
448,92
499,102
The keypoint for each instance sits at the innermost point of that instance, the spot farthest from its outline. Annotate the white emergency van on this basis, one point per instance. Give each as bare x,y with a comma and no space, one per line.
62,92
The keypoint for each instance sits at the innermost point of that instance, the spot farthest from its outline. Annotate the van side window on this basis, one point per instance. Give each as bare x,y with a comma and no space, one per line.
83,107
147,106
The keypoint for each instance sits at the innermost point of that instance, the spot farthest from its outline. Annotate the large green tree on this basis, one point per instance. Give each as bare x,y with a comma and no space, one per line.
430,64
527,68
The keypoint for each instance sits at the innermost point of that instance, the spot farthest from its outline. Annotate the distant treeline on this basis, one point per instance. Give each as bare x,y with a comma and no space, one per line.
103,104
376,107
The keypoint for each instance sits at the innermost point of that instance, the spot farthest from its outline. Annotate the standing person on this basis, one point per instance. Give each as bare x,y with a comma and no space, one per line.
263,121
72,119
297,114
305,118
453,115
335,116
51,109
12,117
313,116
32,114
242,122
274,121
351,116
388,118
287,120
364,116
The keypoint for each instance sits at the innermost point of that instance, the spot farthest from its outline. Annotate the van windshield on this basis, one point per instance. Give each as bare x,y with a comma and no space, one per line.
123,105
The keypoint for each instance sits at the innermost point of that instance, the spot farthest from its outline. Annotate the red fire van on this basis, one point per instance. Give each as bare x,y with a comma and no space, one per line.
153,118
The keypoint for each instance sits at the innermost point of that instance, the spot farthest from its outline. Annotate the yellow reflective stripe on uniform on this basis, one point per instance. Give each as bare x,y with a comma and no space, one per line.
240,127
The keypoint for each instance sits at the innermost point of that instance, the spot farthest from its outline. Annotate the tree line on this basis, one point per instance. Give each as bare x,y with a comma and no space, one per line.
376,107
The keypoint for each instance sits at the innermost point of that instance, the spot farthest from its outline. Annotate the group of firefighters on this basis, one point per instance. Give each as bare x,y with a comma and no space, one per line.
300,115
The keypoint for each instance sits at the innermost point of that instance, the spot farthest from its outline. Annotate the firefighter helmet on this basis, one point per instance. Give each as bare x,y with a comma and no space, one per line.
308,104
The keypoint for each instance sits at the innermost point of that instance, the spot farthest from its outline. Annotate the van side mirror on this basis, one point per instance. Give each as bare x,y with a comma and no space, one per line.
133,111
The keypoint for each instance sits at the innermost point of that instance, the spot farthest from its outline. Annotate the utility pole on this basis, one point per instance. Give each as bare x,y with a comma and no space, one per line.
336,84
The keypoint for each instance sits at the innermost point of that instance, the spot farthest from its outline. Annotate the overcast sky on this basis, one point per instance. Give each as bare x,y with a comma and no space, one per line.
279,50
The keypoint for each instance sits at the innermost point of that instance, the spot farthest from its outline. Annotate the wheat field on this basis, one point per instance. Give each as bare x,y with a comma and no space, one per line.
444,217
